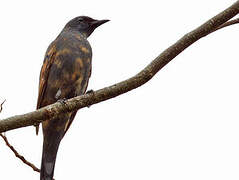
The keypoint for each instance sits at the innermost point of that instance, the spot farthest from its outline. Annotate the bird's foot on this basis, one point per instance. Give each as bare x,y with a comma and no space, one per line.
89,92
62,101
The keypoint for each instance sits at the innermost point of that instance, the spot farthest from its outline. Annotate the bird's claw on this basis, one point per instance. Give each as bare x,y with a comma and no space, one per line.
62,101
89,92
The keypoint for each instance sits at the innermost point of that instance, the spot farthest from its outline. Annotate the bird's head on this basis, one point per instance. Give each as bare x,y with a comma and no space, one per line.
84,24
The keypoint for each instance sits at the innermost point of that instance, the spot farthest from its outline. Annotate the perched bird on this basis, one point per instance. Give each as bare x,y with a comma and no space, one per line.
64,74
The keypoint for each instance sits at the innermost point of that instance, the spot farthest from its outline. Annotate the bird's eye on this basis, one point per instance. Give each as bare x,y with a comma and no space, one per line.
80,20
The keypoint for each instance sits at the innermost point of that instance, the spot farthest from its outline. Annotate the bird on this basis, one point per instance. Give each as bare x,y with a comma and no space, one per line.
64,74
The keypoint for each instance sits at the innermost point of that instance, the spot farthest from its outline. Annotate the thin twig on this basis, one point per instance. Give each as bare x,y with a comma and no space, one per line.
14,150
228,23
18,155
2,105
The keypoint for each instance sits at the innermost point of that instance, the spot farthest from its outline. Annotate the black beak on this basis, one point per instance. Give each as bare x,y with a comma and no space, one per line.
97,23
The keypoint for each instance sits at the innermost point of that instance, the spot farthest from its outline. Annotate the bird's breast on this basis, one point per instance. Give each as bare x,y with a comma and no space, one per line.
71,68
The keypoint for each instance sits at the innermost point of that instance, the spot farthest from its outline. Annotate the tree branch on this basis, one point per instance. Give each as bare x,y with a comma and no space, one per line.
229,23
14,150
122,87
18,155
2,105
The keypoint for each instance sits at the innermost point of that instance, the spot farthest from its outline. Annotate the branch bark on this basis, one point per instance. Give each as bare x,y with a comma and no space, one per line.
229,23
122,87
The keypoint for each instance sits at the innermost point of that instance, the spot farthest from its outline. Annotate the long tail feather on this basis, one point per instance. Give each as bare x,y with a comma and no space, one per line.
49,154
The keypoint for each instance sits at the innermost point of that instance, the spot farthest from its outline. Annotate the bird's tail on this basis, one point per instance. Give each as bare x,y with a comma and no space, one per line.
49,152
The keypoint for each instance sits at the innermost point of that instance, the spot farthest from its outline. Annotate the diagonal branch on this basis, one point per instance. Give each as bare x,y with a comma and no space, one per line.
122,87
2,105
18,155
14,150
229,23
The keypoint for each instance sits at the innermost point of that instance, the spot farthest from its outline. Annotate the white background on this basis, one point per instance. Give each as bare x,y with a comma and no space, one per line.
183,124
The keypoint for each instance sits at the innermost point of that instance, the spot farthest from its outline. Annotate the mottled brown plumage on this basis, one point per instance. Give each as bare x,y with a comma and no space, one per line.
65,74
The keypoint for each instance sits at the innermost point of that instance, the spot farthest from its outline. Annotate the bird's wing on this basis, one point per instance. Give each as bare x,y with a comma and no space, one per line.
48,61
70,120
83,90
